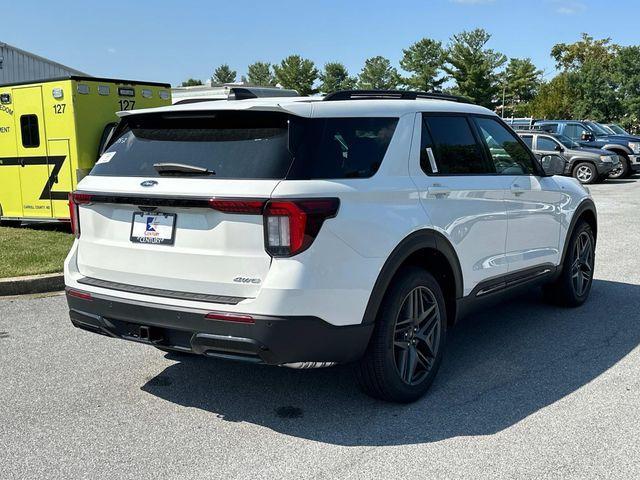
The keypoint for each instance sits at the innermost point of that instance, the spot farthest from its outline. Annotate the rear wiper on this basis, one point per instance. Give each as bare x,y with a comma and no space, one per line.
177,168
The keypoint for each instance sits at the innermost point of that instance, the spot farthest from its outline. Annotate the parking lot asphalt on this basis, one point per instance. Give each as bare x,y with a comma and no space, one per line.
526,391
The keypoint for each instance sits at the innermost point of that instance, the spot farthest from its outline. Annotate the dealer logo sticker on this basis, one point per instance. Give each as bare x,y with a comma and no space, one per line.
149,183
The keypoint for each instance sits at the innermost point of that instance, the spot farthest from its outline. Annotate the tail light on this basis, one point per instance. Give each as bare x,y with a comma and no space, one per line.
229,317
76,199
291,226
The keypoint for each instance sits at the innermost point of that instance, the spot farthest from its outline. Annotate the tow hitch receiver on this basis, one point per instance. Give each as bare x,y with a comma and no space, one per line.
150,334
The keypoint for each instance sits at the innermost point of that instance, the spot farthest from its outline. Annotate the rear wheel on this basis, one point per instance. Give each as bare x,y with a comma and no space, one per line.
572,287
407,344
622,170
586,173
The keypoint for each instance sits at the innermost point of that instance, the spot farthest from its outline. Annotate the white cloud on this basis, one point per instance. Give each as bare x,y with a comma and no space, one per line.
111,50
565,7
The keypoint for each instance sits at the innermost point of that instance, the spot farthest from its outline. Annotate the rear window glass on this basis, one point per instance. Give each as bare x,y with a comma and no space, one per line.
247,145
227,144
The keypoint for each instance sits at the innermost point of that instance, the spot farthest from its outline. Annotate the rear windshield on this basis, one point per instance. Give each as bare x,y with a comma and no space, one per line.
246,145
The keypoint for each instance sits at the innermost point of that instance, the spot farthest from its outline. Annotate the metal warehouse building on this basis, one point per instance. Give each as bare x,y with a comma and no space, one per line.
17,65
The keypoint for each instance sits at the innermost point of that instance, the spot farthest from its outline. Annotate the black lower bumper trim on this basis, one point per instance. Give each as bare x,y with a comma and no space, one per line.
272,340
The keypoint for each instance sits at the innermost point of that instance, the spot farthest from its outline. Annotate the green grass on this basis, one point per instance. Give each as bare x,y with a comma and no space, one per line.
33,250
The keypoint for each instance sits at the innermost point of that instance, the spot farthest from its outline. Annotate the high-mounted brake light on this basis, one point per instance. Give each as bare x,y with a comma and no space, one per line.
76,199
291,226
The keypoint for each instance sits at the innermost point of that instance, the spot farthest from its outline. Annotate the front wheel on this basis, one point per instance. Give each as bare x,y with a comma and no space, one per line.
586,173
573,286
407,344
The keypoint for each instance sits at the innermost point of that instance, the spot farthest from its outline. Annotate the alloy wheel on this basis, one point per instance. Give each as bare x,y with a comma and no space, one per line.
584,174
582,267
417,335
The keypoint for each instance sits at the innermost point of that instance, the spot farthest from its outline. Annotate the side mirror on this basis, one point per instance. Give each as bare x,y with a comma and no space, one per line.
586,136
559,148
553,164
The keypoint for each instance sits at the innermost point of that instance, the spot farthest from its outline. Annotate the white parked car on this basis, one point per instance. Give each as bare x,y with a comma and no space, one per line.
305,232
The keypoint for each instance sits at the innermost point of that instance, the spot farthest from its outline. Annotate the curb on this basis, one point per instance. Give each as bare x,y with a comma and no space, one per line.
51,282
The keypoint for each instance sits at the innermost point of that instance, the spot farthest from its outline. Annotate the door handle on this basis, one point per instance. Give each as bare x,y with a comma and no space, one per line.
517,190
438,191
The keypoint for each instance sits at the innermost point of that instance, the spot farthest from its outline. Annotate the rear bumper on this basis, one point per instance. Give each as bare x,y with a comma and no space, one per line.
271,340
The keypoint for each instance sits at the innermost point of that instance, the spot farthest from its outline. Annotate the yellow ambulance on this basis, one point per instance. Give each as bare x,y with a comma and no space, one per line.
51,132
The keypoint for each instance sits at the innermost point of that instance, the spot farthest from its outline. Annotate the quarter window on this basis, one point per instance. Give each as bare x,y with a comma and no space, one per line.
508,155
29,130
450,143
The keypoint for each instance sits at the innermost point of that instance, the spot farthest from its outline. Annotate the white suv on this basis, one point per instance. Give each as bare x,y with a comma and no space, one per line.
307,232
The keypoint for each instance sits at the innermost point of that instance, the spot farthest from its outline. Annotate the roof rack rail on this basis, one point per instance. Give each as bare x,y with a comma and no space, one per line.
245,93
390,95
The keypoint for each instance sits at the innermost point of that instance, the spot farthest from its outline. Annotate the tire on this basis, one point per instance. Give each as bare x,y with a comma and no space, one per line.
572,287
623,171
586,173
379,371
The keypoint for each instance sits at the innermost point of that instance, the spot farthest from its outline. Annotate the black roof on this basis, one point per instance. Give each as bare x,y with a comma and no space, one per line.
89,79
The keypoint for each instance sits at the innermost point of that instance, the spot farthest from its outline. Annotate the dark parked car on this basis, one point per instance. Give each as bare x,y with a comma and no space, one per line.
593,135
588,165
616,129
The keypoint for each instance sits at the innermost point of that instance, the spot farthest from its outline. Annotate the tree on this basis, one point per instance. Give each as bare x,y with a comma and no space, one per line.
424,59
378,74
596,93
191,82
521,81
571,57
223,74
626,71
259,74
336,77
296,73
554,99
473,67
591,64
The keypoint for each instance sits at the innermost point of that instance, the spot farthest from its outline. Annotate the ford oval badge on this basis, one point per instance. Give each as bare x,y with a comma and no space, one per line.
149,183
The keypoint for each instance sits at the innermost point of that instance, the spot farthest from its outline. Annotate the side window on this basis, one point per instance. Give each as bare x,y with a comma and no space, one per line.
546,144
508,155
29,131
528,139
550,127
573,131
454,148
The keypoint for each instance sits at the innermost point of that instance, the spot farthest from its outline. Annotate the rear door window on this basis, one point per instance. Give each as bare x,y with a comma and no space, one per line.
30,131
453,145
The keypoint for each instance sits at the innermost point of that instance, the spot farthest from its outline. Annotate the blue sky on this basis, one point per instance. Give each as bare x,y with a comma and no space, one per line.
170,41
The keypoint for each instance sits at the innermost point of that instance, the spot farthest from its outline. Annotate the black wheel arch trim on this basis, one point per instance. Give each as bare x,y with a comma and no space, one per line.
414,242
585,205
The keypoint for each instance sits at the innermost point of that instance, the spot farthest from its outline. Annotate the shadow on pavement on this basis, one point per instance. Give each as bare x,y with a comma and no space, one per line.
501,366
